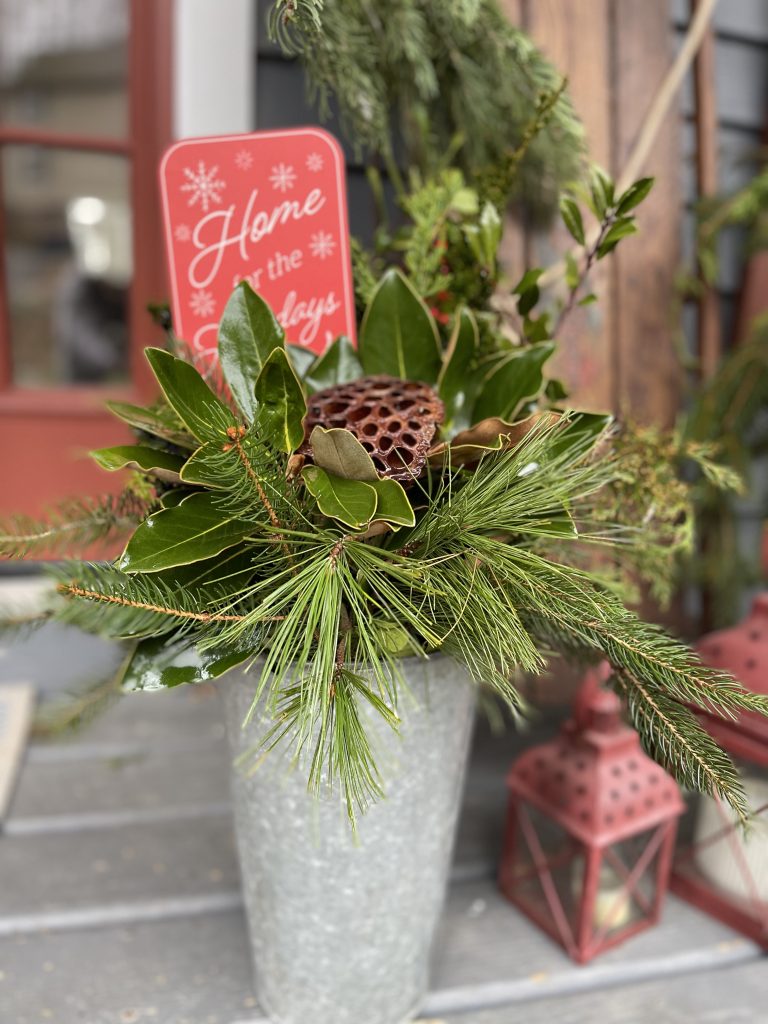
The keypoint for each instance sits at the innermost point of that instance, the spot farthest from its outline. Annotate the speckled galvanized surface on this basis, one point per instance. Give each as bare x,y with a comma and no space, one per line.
341,932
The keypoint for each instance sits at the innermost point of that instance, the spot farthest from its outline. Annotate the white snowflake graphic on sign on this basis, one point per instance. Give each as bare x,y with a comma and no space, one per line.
183,233
314,162
202,303
203,185
321,245
282,177
244,160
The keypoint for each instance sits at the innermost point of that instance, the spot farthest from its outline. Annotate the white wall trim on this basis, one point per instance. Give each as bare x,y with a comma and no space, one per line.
214,67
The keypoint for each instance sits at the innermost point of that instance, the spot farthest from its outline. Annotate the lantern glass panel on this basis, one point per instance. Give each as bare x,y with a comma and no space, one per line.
723,869
546,873
627,885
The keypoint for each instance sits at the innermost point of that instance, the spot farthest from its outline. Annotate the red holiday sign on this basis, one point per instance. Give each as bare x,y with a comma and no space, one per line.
269,208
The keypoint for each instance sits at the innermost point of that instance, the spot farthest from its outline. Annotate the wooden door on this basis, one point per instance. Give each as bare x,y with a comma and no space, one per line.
84,116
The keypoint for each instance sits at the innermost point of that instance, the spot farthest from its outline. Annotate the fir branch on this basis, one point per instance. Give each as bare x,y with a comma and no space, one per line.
672,737
73,525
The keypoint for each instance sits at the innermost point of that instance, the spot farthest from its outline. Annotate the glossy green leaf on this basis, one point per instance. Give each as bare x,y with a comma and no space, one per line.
339,452
248,332
571,215
528,280
162,424
135,456
337,365
462,346
484,236
583,426
352,502
170,499
197,468
398,335
301,359
392,504
202,412
194,530
159,663
621,229
634,195
514,379
281,407
222,576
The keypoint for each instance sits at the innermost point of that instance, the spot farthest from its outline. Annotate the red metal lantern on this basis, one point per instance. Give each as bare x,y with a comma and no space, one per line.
591,829
721,869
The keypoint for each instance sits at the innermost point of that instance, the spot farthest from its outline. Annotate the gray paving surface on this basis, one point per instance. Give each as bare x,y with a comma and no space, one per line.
119,898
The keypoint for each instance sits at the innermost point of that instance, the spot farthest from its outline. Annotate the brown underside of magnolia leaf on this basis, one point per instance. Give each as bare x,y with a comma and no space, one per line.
394,420
492,434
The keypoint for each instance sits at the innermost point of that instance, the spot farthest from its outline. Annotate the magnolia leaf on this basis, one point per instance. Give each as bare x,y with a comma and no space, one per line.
197,468
337,365
489,435
398,335
170,499
582,426
393,639
160,424
194,530
280,403
339,452
159,663
301,359
393,505
202,412
353,502
162,465
248,333
462,346
222,576
514,379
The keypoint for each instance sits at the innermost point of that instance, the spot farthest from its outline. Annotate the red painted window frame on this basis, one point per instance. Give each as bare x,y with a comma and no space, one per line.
150,54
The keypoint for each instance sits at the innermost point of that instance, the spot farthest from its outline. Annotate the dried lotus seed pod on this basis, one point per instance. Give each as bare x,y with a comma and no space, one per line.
394,420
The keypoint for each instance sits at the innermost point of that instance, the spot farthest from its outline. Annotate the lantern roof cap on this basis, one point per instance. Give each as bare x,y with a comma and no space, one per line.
742,651
594,779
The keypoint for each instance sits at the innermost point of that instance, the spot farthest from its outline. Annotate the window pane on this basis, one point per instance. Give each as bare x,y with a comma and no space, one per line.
68,265
63,65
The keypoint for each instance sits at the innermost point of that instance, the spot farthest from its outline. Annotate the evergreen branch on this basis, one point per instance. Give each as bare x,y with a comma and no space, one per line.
672,737
73,525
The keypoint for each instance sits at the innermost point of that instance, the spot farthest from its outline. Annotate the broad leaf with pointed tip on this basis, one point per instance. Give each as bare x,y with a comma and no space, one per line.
159,663
392,504
248,333
452,381
202,413
337,365
148,460
398,335
512,380
151,421
197,468
489,435
280,403
352,502
301,359
339,452
194,530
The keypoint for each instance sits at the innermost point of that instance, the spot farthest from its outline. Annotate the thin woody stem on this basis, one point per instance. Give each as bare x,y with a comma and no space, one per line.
235,437
73,590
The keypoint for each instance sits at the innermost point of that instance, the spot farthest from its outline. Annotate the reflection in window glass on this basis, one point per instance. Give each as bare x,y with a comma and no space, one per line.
68,265
63,65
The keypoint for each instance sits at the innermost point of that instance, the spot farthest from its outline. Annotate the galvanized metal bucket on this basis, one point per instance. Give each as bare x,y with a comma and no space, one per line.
341,930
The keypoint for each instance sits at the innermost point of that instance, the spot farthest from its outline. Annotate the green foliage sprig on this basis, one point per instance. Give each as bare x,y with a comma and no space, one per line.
322,575
427,72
